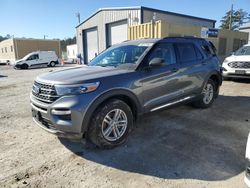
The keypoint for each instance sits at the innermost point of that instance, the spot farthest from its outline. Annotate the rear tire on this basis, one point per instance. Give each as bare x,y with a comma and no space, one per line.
208,95
52,64
110,124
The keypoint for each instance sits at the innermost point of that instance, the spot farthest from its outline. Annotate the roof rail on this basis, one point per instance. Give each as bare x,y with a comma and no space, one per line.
185,37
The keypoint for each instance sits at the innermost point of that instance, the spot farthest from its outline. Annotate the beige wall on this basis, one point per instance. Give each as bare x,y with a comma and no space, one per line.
7,50
22,47
175,19
25,46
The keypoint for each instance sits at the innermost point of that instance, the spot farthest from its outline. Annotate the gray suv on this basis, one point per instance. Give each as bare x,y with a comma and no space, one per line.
101,101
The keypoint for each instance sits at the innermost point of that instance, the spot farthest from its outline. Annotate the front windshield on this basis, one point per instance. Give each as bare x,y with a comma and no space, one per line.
116,56
245,50
26,57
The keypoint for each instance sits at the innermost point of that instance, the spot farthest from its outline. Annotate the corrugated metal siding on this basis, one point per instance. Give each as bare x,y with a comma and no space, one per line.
101,19
148,16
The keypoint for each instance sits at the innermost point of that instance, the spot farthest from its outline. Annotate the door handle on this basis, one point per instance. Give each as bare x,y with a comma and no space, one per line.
204,63
175,69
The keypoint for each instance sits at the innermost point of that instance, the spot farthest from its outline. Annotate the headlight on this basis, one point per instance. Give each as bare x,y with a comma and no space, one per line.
76,89
248,148
18,62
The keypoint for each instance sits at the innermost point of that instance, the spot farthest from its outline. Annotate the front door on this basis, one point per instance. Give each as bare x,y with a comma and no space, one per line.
161,84
33,60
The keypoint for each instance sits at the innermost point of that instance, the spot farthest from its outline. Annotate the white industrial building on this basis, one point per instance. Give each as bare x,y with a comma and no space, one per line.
109,26
71,52
246,28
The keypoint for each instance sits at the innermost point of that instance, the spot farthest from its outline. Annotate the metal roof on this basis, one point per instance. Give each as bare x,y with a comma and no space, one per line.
143,8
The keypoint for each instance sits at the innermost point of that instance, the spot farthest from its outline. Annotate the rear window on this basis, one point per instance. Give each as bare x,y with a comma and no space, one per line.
208,48
186,52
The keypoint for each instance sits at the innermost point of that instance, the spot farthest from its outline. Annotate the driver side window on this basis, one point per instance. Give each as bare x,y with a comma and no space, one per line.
164,51
33,57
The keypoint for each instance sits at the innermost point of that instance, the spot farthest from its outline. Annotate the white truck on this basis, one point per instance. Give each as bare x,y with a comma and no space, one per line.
39,58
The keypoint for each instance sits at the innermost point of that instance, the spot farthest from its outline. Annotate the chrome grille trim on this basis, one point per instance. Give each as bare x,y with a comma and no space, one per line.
47,92
239,64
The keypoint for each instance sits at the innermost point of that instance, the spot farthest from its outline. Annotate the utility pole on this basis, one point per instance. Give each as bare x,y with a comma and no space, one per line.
231,17
78,16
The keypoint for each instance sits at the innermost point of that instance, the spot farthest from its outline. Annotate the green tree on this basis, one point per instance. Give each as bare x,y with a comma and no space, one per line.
234,18
66,42
4,38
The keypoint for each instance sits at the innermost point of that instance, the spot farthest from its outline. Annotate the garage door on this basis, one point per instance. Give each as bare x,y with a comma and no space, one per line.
117,32
90,44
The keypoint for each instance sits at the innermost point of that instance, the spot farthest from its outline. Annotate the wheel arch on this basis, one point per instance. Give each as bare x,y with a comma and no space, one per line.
122,94
25,64
217,78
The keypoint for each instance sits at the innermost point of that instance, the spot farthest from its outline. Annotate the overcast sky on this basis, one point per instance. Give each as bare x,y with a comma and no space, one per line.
56,18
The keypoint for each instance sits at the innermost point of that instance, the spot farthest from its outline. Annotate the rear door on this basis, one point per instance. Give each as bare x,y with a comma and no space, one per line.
191,67
162,84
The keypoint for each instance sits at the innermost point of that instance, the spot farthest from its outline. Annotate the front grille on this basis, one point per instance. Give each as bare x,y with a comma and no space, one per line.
44,92
239,64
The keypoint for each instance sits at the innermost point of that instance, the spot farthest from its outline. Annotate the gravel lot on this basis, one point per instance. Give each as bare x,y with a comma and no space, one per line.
179,147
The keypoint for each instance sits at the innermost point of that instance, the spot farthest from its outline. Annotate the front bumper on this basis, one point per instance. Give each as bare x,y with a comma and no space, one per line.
17,66
247,174
70,124
229,72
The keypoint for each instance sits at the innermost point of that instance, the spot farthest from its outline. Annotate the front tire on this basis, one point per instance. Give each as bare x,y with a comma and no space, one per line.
208,95
24,66
110,124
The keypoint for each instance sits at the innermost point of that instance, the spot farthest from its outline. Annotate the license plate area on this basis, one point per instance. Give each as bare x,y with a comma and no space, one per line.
242,72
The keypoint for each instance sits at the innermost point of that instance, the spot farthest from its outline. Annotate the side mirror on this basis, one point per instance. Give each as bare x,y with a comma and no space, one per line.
156,62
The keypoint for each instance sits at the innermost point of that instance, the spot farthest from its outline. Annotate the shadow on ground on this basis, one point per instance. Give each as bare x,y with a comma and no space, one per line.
182,143
240,80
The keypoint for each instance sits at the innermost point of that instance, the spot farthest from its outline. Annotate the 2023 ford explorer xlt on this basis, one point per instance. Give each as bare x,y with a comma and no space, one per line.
101,101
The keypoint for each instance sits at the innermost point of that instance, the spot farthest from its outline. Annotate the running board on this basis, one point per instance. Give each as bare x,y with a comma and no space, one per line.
172,103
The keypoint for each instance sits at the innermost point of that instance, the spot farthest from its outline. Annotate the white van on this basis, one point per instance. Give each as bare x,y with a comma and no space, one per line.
38,58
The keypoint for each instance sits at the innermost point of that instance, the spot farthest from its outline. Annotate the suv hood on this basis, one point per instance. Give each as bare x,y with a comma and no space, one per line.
238,58
78,75
18,61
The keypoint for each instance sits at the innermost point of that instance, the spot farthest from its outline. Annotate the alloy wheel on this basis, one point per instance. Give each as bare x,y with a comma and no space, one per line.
114,125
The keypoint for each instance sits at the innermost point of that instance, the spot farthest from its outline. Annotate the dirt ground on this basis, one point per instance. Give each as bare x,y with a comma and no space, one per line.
179,147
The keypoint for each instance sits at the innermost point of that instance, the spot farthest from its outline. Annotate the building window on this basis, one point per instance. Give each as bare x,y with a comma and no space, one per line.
5,49
11,48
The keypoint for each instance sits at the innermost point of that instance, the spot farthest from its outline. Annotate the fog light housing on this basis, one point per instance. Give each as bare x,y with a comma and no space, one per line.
224,69
60,112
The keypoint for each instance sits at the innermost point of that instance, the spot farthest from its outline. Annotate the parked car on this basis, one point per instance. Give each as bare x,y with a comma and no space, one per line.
238,64
102,101
247,173
38,58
